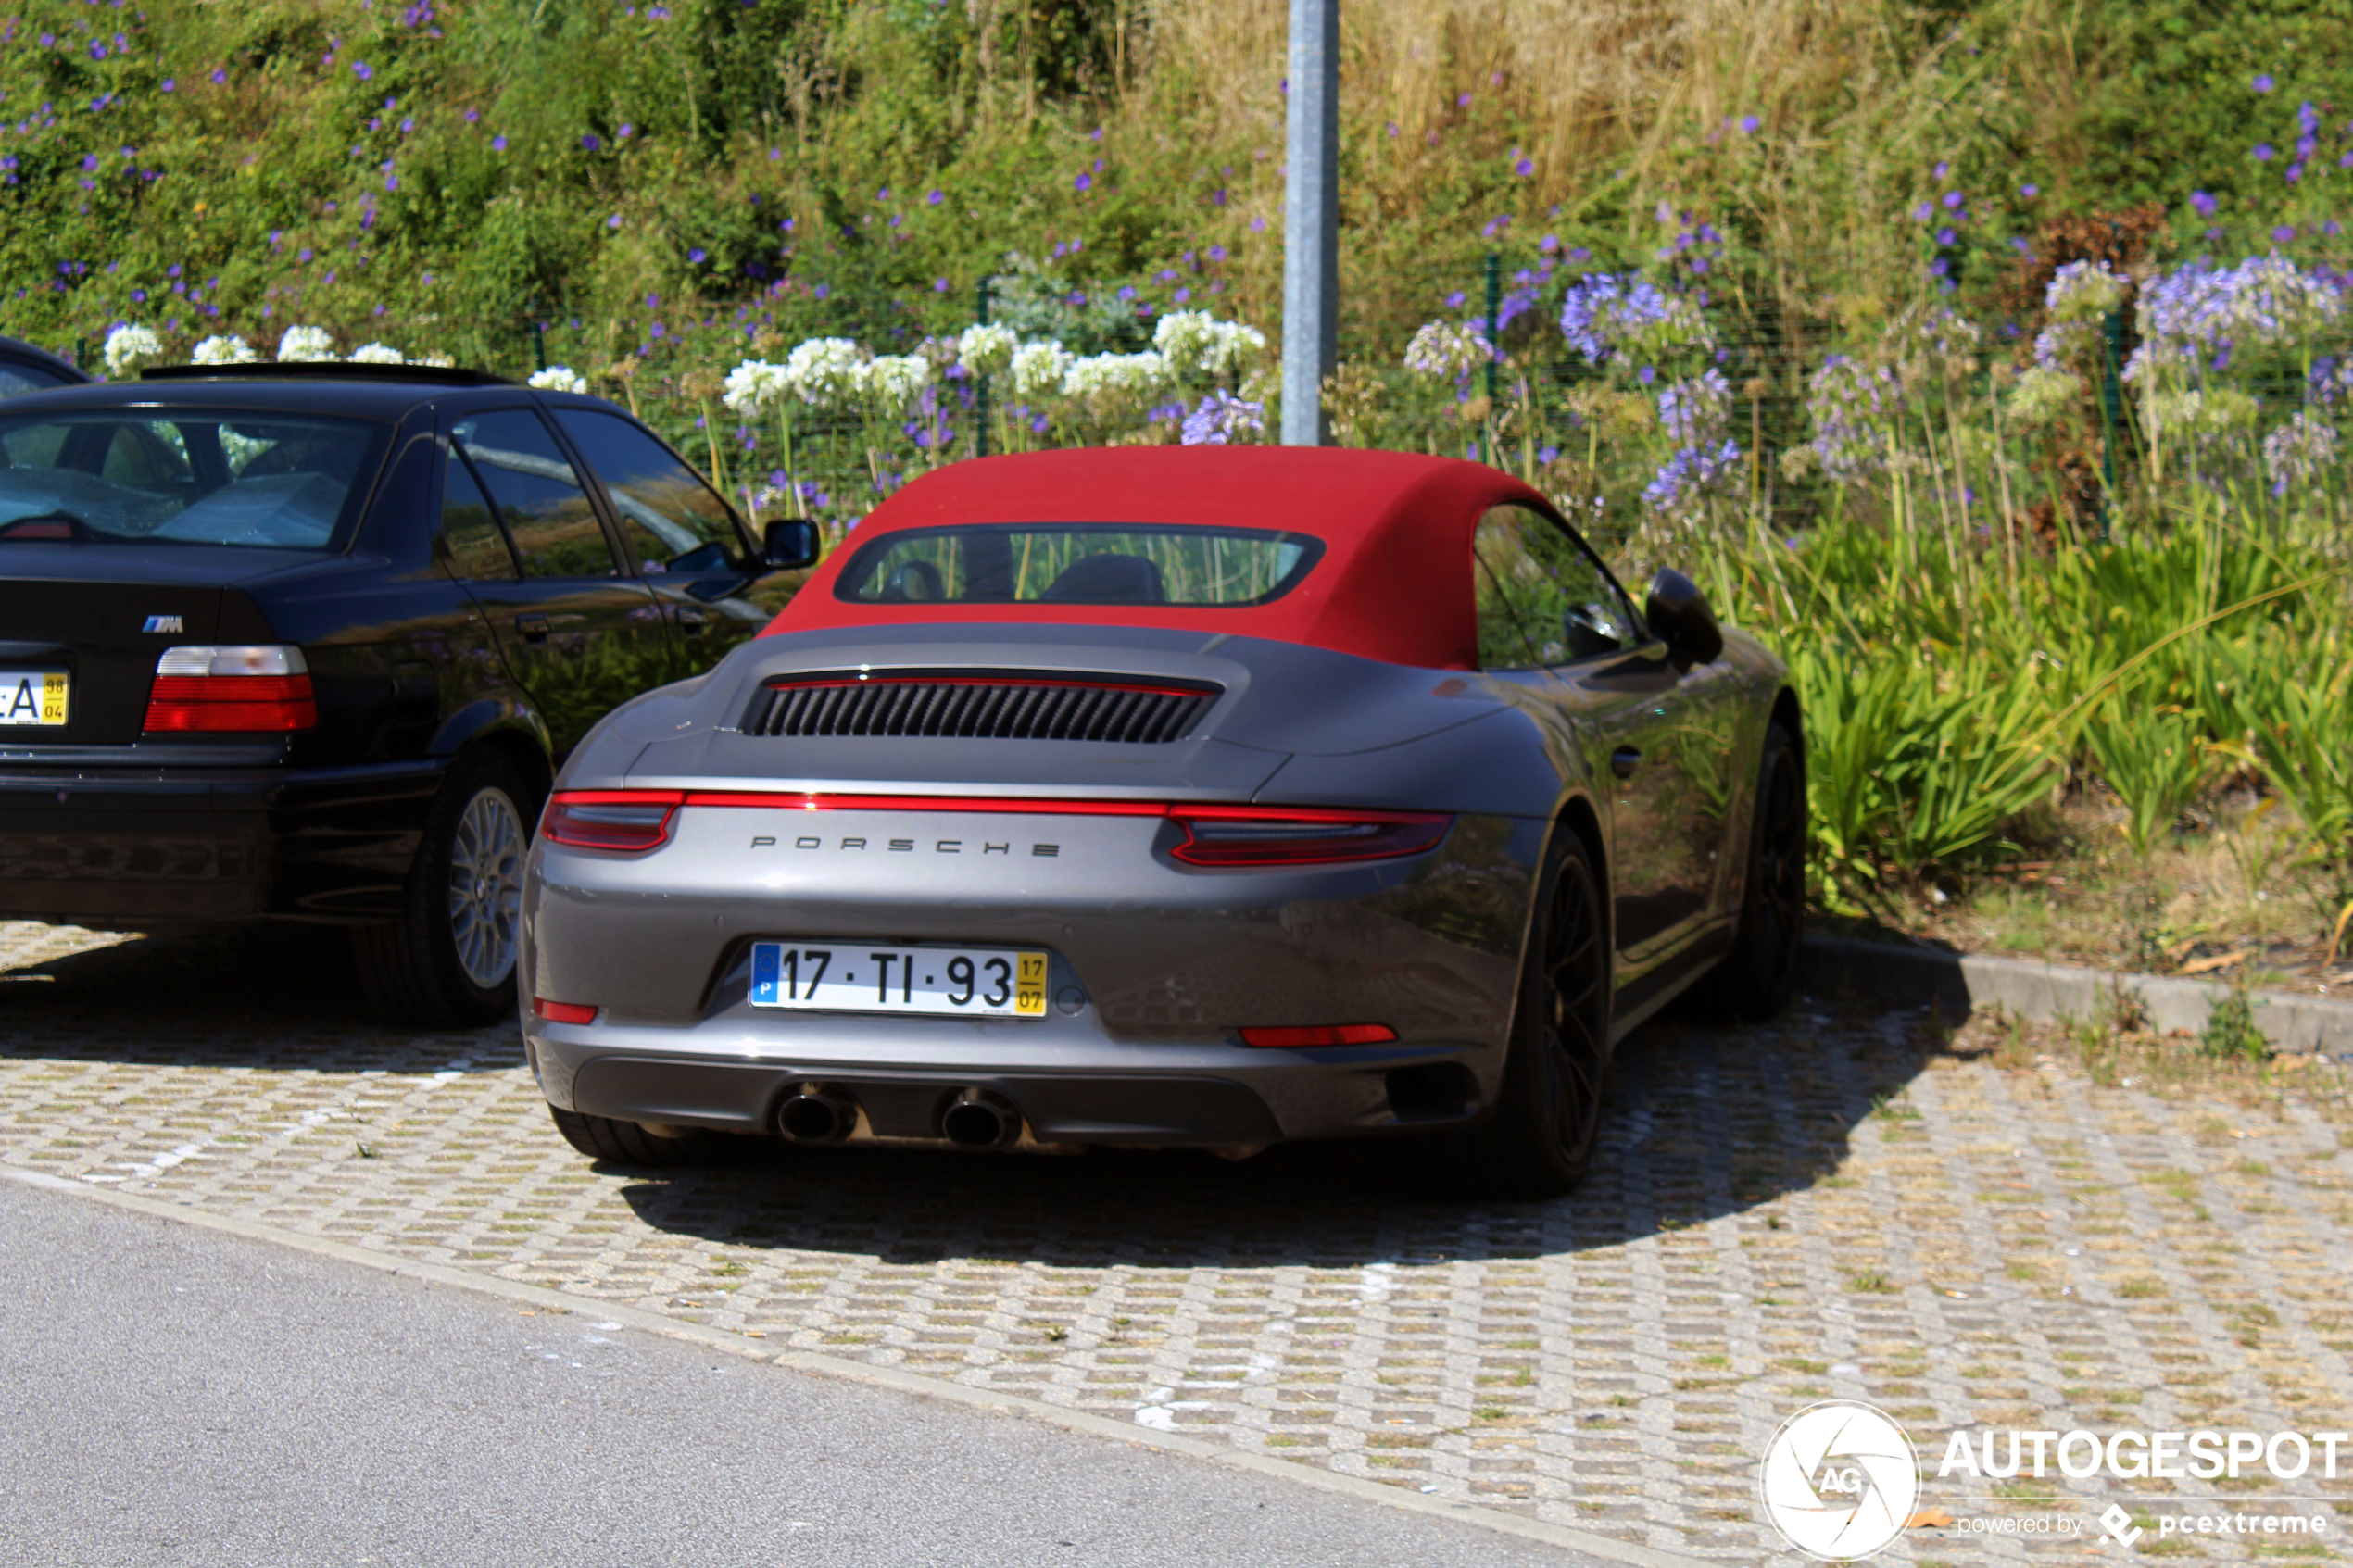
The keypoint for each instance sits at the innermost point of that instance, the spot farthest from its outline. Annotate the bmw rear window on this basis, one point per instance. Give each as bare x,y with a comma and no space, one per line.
1079,564
194,476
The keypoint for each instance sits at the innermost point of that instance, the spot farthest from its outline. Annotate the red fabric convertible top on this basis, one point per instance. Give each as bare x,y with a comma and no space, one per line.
1395,583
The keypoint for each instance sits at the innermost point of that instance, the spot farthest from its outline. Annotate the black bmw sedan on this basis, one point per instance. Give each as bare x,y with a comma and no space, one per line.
308,642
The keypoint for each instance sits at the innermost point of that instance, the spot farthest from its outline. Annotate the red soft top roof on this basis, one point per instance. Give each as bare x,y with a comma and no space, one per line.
1395,583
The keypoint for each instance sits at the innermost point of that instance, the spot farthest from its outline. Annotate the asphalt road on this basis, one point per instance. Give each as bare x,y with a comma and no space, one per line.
172,1396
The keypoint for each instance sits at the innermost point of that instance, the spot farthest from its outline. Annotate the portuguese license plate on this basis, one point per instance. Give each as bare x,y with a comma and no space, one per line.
34,696
862,977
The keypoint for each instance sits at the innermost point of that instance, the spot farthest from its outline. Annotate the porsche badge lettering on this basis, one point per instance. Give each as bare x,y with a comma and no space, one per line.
908,846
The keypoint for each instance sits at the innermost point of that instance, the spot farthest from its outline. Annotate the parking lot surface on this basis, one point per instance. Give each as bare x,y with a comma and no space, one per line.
1832,1207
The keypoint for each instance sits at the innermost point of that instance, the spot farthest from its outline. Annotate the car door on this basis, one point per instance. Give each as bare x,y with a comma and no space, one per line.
1547,603
581,631
691,547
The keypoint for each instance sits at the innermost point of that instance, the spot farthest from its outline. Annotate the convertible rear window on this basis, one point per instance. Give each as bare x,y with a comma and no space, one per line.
1079,564
187,476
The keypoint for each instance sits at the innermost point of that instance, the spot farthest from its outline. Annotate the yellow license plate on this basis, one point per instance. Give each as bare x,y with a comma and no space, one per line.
34,696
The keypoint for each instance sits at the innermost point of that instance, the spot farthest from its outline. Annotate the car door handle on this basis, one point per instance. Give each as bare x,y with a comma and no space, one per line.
532,627
691,622
1624,760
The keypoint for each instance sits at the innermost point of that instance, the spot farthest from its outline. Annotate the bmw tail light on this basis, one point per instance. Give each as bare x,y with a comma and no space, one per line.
1285,836
630,820
1294,1039
247,689
563,1012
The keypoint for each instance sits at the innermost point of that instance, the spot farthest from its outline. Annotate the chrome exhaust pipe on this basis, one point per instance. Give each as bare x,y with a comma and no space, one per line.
816,1116
977,1119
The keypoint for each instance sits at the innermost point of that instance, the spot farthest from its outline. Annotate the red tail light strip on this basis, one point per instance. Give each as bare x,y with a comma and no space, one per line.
245,703
1215,836
563,1012
1296,1038
786,683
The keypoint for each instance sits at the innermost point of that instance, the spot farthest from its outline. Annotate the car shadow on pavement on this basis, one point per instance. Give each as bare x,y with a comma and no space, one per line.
268,994
1700,1122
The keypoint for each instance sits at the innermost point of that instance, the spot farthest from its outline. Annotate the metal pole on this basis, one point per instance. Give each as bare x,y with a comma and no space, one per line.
1311,221
980,399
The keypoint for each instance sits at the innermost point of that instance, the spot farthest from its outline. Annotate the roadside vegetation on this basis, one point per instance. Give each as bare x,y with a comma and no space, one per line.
1987,357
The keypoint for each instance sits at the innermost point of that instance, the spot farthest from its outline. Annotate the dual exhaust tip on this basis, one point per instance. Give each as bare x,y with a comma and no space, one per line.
815,1116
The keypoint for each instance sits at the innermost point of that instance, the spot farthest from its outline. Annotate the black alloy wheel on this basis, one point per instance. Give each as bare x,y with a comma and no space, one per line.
1547,1119
1760,974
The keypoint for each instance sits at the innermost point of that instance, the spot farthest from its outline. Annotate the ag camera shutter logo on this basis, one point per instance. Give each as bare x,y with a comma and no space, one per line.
1839,1480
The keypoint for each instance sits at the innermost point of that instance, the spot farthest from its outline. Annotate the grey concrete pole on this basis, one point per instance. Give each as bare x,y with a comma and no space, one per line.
1311,221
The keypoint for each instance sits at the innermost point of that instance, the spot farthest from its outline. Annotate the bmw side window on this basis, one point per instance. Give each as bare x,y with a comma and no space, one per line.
1543,597
471,536
546,511
673,520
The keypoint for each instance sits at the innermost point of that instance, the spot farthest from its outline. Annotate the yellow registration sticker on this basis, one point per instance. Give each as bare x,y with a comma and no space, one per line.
1029,988
34,696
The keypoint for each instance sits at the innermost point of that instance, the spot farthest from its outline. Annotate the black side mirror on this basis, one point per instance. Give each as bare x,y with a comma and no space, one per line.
790,542
1678,616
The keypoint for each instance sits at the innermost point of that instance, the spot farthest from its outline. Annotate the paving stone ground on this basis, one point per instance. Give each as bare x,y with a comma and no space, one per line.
1833,1207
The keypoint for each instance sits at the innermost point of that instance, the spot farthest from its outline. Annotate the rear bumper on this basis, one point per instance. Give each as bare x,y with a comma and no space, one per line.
1153,969
158,844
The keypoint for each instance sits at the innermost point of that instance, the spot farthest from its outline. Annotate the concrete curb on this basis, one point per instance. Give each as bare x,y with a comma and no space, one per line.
2047,992
540,1297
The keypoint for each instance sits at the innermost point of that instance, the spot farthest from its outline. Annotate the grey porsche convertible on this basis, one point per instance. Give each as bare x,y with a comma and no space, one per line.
1201,797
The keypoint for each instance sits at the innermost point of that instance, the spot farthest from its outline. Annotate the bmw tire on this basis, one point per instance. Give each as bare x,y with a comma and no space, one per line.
449,960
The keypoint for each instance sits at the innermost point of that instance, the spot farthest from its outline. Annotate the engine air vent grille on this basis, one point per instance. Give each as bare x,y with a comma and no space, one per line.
978,706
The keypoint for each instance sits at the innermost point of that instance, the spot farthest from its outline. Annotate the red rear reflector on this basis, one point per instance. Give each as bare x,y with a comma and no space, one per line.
1289,1038
1287,835
245,703
563,1012
631,820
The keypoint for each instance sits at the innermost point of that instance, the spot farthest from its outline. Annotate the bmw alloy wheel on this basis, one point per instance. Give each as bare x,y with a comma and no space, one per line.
485,886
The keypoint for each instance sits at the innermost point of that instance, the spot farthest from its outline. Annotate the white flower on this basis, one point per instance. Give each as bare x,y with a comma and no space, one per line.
438,362
129,348
987,350
1039,367
555,378
1193,340
822,370
1232,345
1442,348
752,385
2299,450
2045,393
302,344
1102,376
378,354
2082,291
223,351
893,381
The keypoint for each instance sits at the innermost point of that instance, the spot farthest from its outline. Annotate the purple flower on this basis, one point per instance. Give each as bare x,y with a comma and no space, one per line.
362,70
1218,253
935,198
939,286
614,221
2204,203
590,142
171,86
2262,152
1923,212
1524,168
473,116
218,78
498,143
2262,83
2285,232
627,131
1083,181
1749,123
1942,169
2029,190
696,257
1952,201
1462,100
91,162
1258,225
1946,237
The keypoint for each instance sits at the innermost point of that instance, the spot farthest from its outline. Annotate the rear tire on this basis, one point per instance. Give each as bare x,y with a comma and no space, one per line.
449,960
1540,1143
631,1143
1756,981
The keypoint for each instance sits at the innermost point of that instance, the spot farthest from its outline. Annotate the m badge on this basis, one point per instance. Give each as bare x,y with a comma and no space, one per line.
172,623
